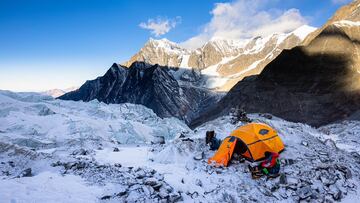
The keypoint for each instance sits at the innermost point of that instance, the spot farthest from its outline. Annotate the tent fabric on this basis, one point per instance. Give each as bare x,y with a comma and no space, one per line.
256,138
223,155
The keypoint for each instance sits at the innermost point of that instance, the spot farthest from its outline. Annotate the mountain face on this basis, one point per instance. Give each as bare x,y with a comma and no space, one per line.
153,86
316,84
59,92
221,62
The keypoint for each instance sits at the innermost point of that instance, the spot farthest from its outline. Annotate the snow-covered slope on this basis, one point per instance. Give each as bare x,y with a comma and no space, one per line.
61,151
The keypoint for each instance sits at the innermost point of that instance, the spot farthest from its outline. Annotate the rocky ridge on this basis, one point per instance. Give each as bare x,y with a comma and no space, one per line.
169,92
229,60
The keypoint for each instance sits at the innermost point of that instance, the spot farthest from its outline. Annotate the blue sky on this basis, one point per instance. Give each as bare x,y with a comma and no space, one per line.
46,44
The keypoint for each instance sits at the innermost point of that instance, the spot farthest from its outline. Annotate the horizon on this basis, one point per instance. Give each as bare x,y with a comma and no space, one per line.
56,45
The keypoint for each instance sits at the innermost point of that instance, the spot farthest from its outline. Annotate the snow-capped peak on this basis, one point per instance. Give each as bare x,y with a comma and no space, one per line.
226,45
303,31
166,45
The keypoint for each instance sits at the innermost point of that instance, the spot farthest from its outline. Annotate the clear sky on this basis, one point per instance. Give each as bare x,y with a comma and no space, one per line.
46,44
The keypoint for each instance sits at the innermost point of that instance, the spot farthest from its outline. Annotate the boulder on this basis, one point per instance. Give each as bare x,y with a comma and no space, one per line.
26,173
304,192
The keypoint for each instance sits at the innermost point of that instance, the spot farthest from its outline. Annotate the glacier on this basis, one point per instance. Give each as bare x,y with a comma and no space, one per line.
65,151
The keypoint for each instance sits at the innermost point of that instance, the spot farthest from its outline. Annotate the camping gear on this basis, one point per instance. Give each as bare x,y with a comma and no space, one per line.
271,165
250,141
211,140
256,173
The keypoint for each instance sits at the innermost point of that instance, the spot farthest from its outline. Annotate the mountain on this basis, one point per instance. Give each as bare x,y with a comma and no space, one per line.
59,92
160,88
222,62
318,83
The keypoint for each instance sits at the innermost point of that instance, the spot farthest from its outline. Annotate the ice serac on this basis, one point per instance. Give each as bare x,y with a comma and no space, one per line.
316,84
153,86
228,60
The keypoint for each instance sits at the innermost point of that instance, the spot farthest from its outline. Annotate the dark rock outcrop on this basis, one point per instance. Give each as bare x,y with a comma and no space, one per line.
153,86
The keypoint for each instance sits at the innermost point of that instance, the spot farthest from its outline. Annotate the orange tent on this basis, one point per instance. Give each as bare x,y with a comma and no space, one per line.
251,141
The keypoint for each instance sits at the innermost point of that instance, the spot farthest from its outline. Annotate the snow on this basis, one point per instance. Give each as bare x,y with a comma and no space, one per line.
72,156
127,155
185,61
211,70
68,121
59,92
167,45
237,48
48,187
303,31
344,134
346,23
227,46
228,49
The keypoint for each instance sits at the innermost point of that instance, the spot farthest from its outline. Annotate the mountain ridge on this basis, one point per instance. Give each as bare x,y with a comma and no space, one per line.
153,86
317,84
225,60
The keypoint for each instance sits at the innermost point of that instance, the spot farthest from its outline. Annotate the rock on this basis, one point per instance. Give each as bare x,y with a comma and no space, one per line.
140,174
6,173
157,186
159,176
134,196
151,181
68,165
11,163
122,191
187,140
116,149
45,111
26,173
105,197
323,153
292,181
194,195
335,192
304,143
174,197
163,193
181,135
330,143
80,165
199,156
346,171
238,114
283,193
81,151
148,190
158,140
328,179
282,179
151,85
198,182
268,116
118,165
290,161
304,192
